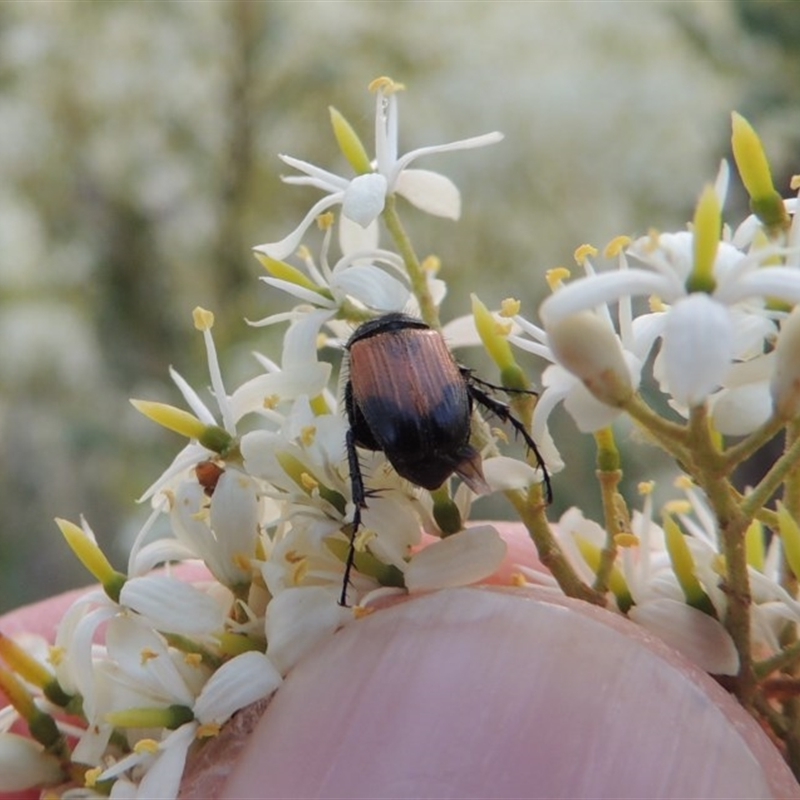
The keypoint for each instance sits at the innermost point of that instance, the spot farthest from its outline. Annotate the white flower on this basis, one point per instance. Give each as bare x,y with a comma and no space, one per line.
703,333
237,683
362,274
363,198
615,358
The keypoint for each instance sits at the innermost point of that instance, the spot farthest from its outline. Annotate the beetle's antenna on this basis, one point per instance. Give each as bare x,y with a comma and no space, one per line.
503,412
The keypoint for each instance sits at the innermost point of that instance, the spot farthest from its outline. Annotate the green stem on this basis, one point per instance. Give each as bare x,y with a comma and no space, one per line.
786,658
670,436
741,451
531,511
733,523
609,474
416,274
791,501
788,463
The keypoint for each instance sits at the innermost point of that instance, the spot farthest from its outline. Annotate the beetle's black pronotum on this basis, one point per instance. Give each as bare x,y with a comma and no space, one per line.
408,397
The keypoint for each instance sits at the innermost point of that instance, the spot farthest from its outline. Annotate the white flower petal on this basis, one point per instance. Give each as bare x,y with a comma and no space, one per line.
122,789
503,473
699,637
322,179
234,519
463,558
308,296
236,684
297,619
286,246
159,552
308,379
590,292
173,606
462,144
782,283
697,349
93,742
398,529
373,287
365,198
193,400
76,672
740,410
785,380
589,413
25,765
430,192
127,640
354,237
162,781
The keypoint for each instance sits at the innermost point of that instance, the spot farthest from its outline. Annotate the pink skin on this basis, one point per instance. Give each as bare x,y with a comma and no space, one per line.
493,692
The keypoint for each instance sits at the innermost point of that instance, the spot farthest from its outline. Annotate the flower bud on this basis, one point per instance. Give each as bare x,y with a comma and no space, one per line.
587,346
349,143
748,152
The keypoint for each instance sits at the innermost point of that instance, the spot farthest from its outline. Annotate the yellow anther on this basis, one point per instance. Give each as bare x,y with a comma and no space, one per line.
584,252
309,482
645,487
626,540
385,85
147,655
510,307
325,221
299,572
308,434
91,775
556,276
193,660
207,730
56,655
293,557
431,264
146,746
616,246
364,537
677,507
503,328
500,434
203,319
241,561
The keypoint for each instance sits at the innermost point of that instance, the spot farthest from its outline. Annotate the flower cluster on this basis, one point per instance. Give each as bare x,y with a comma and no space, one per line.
262,505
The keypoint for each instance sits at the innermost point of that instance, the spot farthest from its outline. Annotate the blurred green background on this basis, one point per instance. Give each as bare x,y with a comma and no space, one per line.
138,155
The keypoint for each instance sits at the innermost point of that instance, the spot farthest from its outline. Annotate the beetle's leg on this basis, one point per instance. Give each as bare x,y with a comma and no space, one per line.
360,501
471,378
503,412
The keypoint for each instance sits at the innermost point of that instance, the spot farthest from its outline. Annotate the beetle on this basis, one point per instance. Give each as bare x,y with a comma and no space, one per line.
408,397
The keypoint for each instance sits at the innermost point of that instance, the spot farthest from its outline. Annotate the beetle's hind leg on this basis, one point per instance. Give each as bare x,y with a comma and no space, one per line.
359,501
472,379
503,412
